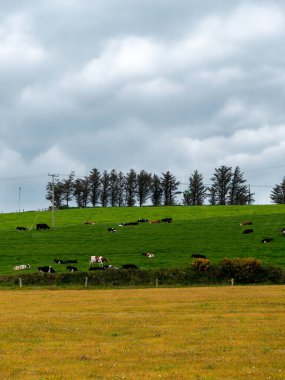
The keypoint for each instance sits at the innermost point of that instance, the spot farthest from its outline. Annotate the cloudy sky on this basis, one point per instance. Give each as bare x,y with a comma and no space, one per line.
155,85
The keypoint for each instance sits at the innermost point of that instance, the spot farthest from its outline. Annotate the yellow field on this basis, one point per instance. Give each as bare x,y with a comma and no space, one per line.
191,333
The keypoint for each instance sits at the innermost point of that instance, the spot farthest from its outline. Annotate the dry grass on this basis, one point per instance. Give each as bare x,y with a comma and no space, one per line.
191,333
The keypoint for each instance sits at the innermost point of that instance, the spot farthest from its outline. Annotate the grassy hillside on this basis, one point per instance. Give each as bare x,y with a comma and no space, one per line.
210,230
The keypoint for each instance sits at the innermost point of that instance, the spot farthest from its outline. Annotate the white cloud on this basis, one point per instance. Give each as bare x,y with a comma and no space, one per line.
18,46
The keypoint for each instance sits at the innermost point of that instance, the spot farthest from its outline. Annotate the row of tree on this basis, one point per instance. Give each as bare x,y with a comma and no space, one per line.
113,188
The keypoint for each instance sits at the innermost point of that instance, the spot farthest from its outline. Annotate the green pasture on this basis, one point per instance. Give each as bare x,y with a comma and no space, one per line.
214,231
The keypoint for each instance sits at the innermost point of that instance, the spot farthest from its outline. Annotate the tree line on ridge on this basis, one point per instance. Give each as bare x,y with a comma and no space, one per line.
115,188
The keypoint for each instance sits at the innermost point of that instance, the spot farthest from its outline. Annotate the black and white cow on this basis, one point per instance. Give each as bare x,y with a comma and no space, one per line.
21,229
59,261
148,254
111,229
128,224
72,269
46,269
266,240
21,267
166,220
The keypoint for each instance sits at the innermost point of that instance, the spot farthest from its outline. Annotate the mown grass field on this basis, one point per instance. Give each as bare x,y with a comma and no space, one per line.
210,230
217,333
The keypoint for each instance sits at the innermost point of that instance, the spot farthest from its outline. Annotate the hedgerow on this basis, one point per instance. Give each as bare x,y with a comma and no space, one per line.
242,271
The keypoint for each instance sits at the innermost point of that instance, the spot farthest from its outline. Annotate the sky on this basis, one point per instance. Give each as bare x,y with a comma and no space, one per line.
156,85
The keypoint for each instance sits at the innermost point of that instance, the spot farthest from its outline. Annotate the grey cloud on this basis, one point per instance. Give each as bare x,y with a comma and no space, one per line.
164,85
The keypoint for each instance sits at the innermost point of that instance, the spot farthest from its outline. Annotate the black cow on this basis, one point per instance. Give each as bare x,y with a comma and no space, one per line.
142,220
266,240
42,226
248,231
198,256
56,261
46,269
129,266
111,229
166,220
21,229
128,224
72,269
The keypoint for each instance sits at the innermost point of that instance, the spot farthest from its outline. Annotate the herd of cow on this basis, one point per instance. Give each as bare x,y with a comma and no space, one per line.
102,261
250,230
93,260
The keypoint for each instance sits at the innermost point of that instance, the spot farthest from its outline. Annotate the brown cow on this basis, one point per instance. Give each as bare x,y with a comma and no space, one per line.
246,223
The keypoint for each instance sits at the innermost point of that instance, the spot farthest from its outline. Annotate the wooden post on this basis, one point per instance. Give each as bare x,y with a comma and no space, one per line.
86,282
232,281
20,282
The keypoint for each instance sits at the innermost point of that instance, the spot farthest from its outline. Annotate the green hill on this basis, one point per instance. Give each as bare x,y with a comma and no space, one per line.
214,231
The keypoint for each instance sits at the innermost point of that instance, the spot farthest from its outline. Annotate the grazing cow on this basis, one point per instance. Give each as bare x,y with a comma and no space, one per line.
154,221
89,222
148,254
142,220
21,229
283,231
98,259
46,269
198,256
128,224
111,229
129,266
248,231
20,267
246,223
59,261
42,226
72,269
166,220
109,267
266,240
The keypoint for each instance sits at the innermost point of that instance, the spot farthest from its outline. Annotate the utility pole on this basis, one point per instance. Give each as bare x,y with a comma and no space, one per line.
53,177
20,198
249,195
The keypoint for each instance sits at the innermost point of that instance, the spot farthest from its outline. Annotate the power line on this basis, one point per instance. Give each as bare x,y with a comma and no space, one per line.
23,177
